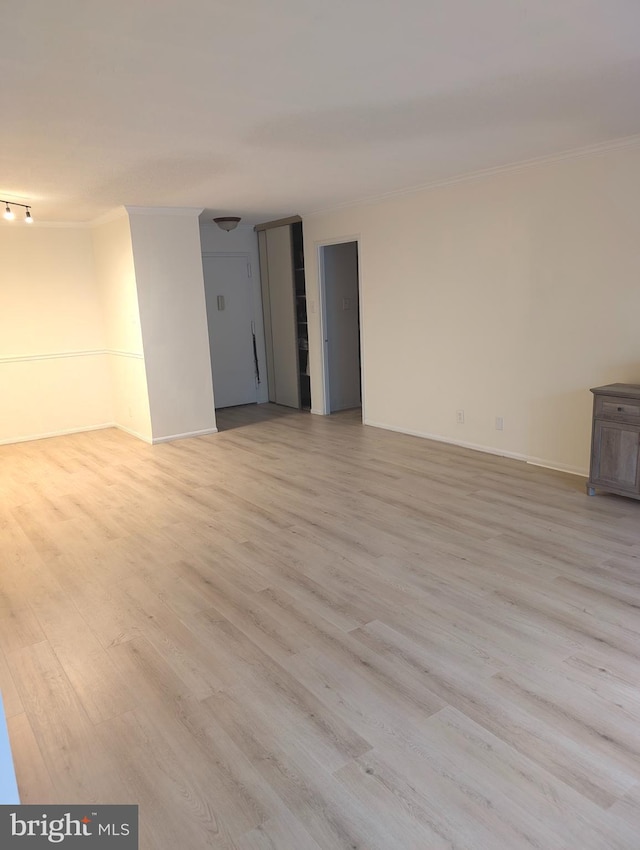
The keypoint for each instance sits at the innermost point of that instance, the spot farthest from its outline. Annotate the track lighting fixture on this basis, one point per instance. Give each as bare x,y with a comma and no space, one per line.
9,213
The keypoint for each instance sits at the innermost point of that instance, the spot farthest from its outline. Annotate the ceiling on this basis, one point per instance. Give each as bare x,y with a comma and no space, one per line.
265,108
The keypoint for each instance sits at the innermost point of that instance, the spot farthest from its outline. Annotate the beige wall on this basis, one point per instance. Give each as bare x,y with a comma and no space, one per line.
53,370
170,284
509,295
116,280
74,303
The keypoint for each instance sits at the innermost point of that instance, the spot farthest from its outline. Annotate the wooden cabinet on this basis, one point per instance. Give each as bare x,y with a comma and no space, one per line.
284,307
615,440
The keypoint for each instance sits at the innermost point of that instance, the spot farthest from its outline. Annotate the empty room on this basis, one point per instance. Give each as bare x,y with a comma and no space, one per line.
320,425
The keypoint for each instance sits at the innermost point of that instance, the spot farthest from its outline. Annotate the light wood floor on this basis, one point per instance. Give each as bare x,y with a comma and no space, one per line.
301,633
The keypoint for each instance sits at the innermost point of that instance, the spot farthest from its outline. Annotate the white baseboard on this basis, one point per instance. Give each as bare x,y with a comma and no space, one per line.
534,461
132,433
440,439
172,437
559,467
10,440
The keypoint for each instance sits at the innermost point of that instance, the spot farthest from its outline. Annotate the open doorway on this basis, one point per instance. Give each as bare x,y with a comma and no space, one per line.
340,301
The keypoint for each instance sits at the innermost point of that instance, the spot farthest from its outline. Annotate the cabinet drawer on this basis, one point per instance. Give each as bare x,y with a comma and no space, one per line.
608,407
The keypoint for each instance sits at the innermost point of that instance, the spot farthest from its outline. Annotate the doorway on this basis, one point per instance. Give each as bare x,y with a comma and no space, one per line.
230,316
339,286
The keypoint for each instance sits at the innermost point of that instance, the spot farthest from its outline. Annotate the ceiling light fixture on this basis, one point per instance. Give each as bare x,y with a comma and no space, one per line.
9,213
227,222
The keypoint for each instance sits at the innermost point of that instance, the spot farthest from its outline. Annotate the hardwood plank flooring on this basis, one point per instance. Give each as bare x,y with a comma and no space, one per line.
305,634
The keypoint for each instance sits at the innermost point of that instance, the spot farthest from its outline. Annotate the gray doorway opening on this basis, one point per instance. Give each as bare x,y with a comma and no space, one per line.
340,297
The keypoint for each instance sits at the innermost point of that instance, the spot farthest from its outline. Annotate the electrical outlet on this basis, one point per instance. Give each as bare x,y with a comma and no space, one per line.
499,423
460,417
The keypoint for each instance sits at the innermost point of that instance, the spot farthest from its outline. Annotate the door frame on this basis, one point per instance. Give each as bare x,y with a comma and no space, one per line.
257,324
320,246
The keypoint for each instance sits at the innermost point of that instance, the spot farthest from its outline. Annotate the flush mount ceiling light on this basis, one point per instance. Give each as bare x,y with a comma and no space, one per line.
9,213
227,222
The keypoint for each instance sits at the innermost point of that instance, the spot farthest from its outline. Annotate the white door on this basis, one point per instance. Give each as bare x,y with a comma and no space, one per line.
229,295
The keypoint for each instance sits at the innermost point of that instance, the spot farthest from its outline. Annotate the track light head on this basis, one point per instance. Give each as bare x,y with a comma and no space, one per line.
8,214
28,217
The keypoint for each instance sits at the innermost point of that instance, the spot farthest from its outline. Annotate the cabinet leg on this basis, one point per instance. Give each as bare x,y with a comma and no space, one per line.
591,491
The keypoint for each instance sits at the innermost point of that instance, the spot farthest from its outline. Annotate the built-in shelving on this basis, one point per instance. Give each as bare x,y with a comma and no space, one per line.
284,302
297,248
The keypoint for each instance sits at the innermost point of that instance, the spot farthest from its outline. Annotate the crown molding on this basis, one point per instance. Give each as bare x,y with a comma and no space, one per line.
184,211
625,143
105,218
111,215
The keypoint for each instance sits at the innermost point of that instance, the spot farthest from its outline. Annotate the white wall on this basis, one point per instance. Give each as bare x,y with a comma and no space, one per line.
341,315
509,295
242,240
115,275
53,369
168,270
